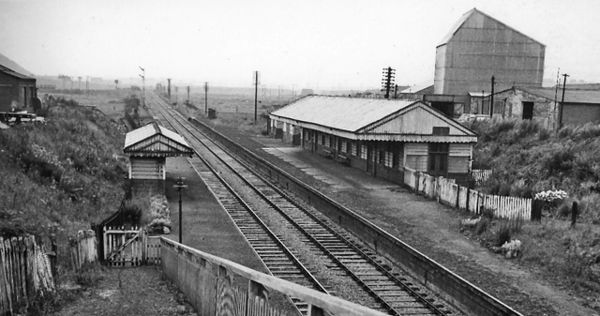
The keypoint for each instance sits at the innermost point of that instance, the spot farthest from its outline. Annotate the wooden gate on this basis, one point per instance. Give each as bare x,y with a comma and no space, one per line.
130,247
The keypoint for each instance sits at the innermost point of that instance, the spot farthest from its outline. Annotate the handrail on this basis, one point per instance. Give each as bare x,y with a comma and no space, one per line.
330,304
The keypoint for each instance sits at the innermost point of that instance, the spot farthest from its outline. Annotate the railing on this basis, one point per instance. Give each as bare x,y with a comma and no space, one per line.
216,286
451,194
24,272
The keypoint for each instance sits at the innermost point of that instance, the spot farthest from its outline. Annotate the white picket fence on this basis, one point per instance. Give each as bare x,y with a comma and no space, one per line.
130,247
446,191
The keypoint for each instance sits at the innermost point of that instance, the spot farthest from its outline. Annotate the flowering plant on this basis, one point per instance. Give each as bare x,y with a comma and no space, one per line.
551,195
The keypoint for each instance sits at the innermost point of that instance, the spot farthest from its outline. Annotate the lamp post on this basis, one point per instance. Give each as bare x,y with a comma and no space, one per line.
180,186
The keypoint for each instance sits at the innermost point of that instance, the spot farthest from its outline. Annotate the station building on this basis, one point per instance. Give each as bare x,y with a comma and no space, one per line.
377,135
148,147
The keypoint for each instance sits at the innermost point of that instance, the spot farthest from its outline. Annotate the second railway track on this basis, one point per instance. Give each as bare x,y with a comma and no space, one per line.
373,284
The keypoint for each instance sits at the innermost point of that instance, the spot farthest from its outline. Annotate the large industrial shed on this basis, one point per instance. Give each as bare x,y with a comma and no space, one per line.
377,135
478,47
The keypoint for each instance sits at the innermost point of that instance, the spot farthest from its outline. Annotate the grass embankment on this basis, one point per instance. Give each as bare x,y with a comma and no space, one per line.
527,158
59,177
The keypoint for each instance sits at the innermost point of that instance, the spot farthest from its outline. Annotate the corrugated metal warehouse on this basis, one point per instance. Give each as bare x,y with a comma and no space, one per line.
377,135
477,48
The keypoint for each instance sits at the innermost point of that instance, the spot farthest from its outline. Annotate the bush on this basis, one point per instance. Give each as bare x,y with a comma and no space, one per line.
482,225
564,210
503,235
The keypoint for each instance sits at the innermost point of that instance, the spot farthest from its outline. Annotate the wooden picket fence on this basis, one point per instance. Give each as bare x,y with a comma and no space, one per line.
446,191
130,247
24,273
83,249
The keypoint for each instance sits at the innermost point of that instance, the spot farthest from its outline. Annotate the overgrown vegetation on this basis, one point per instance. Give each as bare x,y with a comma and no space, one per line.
59,177
526,159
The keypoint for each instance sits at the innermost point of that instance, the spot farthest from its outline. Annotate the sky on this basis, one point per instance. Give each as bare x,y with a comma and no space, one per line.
318,44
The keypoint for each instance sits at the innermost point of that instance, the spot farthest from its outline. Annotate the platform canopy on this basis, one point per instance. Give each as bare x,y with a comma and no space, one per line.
153,140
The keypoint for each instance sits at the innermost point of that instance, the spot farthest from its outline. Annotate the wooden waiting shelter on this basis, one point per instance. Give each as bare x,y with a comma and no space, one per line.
148,147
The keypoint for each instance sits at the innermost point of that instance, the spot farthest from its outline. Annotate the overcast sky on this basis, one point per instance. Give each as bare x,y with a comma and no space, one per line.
305,43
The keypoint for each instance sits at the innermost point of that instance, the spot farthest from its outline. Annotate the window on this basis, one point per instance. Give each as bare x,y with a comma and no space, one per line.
441,131
363,152
353,149
388,159
343,146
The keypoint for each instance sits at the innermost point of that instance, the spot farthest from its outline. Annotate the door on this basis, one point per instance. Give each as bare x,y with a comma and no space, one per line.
438,159
527,110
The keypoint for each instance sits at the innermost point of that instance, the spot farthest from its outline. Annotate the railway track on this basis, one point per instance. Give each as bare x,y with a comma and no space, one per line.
380,289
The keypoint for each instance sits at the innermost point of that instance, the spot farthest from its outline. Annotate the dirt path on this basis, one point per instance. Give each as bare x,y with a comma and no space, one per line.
128,291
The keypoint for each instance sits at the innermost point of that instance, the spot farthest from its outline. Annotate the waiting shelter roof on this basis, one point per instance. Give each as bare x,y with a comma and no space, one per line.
153,140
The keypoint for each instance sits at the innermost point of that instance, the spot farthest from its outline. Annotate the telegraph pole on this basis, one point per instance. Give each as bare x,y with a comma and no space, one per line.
562,101
143,76
169,88
206,98
492,98
388,80
255,96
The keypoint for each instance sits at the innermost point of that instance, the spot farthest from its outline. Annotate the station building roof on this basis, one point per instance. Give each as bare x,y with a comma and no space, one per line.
373,119
153,140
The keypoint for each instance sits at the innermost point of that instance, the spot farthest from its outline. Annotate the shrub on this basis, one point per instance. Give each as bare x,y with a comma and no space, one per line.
502,235
564,210
482,225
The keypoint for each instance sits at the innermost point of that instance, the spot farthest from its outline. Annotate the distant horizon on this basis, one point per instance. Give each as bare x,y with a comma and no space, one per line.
334,45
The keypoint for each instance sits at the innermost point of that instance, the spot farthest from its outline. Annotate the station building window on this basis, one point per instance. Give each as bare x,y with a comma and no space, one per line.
388,159
363,152
353,149
343,146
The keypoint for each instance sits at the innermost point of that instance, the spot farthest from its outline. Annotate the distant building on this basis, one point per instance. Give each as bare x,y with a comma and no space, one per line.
377,135
17,90
477,48
416,92
304,92
544,105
